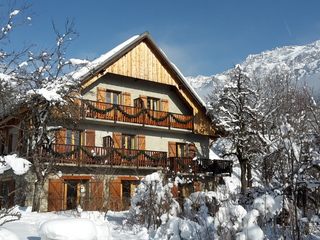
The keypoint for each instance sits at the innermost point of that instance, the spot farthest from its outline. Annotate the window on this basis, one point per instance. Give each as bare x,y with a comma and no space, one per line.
138,102
182,150
73,137
113,97
153,103
12,143
128,141
107,141
7,188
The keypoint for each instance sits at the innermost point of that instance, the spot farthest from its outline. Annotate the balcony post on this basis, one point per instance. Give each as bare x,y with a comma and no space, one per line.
144,117
115,114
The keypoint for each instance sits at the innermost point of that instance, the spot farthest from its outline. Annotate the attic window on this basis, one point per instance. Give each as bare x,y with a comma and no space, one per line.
113,97
153,103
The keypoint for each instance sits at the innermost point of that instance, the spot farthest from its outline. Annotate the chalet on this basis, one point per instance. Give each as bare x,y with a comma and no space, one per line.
137,115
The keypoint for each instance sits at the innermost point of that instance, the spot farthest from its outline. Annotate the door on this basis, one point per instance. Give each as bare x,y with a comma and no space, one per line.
75,193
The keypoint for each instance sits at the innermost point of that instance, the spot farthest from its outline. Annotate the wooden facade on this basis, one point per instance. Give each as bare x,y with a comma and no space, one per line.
142,59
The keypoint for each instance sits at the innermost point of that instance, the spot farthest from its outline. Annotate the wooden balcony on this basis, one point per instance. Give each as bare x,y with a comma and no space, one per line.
122,113
81,155
92,155
188,165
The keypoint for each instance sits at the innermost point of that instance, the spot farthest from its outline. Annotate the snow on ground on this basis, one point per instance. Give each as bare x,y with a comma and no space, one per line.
27,227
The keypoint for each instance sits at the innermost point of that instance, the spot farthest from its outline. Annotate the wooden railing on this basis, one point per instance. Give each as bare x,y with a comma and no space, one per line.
188,165
81,155
122,113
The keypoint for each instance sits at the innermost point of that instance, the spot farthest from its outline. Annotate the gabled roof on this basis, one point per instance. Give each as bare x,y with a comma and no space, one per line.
95,67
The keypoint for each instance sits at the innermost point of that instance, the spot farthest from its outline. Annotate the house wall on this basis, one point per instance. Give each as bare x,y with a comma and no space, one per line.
137,87
157,139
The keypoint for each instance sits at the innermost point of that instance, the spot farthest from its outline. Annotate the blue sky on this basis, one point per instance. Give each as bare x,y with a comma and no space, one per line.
199,37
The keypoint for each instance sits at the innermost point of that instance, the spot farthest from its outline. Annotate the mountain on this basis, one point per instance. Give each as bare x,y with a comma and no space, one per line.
301,62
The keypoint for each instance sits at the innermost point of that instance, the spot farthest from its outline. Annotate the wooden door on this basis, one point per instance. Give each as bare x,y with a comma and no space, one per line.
55,195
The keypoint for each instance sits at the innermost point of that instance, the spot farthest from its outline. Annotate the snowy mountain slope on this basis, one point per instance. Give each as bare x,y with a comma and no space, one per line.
302,62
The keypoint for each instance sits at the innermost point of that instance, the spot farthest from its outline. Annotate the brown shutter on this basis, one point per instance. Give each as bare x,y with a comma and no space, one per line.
96,195
101,95
197,186
172,149
126,99
141,142
115,202
117,140
55,195
144,100
192,150
61,140
165,105
90,137
61,136
175,191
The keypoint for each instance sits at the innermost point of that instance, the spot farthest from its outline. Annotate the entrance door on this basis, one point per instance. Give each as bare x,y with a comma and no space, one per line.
75,193
127,192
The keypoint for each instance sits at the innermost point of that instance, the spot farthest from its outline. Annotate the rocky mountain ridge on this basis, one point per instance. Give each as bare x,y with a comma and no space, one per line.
301,62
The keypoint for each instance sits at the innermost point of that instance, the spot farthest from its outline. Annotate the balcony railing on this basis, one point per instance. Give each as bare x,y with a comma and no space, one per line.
188,165
122,113
81,155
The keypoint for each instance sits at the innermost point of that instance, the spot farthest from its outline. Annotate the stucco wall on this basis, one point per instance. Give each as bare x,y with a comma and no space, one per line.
137,87
156,140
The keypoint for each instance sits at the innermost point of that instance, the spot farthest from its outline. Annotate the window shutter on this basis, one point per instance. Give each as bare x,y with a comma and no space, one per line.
115,188
175,191
90,137
101,94
117,139
141,142
197,186
172,149
55,195
126,99
192,150
96,195
165,105
144,100
61,136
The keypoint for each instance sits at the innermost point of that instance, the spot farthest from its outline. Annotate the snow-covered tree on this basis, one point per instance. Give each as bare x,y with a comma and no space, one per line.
234,108
38,90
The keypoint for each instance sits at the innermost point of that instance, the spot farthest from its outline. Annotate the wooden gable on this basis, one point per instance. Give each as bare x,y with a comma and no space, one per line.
144,60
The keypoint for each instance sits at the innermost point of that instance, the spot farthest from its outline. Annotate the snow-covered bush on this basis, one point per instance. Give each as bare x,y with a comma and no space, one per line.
152,202
177,228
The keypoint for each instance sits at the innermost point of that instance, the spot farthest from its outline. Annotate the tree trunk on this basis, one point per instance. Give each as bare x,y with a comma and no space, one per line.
249,175
38,189
243,168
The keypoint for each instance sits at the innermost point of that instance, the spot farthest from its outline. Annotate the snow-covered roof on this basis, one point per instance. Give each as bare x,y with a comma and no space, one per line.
84,74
